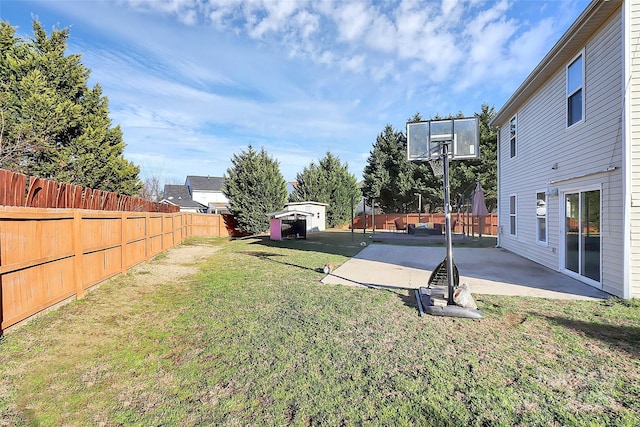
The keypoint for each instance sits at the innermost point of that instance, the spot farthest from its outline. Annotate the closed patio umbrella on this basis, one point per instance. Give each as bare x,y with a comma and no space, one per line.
479,206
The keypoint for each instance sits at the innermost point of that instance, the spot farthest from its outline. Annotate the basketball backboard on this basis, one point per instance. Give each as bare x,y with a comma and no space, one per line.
425,139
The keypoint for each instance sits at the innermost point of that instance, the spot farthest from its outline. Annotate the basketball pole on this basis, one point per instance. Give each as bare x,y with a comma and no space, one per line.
447,220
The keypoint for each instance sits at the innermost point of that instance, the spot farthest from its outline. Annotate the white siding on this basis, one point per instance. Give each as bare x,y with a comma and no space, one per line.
319,219
634,140
582,154
206,197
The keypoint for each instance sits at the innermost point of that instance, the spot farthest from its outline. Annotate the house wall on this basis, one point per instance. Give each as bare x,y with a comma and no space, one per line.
206,197
583,153
192,210
632,150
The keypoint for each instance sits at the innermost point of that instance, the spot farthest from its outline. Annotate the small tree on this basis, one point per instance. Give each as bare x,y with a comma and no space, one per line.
254,187
329,182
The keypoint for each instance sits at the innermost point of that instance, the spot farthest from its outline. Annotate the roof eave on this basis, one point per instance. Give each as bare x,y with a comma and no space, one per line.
594,15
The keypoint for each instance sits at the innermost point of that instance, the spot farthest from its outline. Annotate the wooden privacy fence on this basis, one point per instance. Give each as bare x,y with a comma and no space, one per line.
462,223
49,256
45,193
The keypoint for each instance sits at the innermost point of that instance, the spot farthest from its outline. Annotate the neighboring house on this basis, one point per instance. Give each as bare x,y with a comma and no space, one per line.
569,154
208,191
179,195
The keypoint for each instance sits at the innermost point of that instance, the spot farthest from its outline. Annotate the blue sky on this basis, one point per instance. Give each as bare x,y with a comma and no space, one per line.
191,82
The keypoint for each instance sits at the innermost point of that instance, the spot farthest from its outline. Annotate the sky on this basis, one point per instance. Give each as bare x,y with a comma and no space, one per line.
193,82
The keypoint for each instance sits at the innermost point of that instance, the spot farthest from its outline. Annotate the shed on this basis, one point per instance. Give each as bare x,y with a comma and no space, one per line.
317,222
288,224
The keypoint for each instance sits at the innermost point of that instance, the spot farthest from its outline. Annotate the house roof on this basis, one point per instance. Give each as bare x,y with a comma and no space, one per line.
574,39
179,195
205,183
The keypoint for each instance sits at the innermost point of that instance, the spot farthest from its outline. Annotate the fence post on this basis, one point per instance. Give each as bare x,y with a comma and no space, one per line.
147,238
77,253
123,243
162,234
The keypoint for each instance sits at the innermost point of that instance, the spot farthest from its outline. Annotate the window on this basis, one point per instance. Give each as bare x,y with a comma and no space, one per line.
541,217
512,135
575,90
512,215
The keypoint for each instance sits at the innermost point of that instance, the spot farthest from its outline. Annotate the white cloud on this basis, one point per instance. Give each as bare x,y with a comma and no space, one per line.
352,20
527,49
354,63
384,71
278,15
307,22
186,11
449,7
382,35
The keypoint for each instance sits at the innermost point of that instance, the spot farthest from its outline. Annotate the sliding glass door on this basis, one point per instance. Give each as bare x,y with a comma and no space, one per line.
582,233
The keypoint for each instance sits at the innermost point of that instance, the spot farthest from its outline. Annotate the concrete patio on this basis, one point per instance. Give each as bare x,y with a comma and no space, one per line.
492,271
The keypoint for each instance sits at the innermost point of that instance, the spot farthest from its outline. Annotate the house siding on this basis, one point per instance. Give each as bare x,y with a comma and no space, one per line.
633,151
206,197
582,153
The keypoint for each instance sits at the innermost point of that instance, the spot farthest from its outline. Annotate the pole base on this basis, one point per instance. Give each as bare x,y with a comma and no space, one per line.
453,311
423,300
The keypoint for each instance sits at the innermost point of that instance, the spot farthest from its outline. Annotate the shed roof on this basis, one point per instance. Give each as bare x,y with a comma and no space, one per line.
306,203
284,214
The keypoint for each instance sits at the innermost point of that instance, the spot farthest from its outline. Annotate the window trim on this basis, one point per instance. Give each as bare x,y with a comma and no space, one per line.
513,215
513,136
544,242
568,94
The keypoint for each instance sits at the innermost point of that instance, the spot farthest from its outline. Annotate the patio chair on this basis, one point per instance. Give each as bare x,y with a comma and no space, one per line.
400,225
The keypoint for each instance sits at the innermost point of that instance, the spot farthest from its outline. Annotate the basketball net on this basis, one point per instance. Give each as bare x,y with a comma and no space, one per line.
437,165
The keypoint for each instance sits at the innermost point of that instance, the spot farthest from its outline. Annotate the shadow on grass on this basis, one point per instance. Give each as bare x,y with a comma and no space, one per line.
268,256
625,338
458,240
330,243
408,300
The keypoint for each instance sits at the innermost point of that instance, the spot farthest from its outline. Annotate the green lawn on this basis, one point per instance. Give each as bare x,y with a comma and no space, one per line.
256,339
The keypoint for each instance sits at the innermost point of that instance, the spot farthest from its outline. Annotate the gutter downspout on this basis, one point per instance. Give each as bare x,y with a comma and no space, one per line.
627,143
498,137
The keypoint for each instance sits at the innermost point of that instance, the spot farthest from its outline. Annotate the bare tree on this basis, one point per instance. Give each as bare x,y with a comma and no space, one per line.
152,189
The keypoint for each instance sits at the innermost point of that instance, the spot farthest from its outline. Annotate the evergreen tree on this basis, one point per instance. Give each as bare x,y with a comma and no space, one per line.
329,182
392,180
52,125
465,174
254,187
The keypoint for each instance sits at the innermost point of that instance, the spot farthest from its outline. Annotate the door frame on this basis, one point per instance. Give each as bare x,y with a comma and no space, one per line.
562,237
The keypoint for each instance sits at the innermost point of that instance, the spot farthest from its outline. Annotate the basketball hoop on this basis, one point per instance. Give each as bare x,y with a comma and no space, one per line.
437,165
